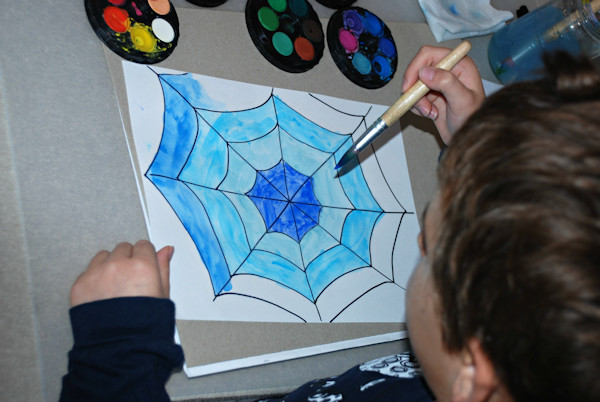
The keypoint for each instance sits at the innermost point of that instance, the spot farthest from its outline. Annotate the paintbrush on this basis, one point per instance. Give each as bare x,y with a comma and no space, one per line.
559,29
402,105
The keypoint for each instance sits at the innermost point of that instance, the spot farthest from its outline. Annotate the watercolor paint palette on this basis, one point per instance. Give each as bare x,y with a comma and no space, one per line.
142,31
287,33
362,47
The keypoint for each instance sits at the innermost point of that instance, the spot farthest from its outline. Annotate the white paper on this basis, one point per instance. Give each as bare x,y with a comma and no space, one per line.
240,179
490,87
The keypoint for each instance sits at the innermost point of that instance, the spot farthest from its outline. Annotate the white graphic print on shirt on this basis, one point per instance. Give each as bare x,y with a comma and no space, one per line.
401,365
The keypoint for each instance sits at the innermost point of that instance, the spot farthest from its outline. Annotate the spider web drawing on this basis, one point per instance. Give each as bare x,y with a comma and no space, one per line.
257,192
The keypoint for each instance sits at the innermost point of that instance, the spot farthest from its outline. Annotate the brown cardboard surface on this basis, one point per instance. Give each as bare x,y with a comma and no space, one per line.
228,52
236,339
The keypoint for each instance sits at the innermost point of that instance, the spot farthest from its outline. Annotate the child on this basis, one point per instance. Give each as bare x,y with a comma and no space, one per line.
512,240
505,303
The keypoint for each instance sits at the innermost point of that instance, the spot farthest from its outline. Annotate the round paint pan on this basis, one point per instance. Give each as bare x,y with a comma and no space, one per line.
287,33
143,31
362,47
207,3
337,3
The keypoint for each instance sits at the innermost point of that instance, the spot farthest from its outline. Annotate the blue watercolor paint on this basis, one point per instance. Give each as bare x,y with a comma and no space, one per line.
275,194
315,243
196,223
353,236
373,24
387,47
326,267
267,189
255,190
382,66
362,64
277,269
303,222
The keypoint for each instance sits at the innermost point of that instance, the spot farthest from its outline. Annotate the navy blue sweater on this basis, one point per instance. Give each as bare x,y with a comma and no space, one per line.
123,350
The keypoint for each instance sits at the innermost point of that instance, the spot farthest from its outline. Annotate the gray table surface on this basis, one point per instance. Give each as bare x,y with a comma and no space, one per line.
67,192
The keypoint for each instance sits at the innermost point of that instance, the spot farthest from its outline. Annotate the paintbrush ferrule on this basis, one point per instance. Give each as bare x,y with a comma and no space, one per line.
378,127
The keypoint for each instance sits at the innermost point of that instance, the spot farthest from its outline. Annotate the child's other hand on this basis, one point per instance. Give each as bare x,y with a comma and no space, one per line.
454,94
127,271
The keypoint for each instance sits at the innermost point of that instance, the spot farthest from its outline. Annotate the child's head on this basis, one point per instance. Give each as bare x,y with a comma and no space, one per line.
512,242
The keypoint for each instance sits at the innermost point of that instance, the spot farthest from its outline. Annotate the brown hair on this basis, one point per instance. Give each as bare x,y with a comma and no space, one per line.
517,263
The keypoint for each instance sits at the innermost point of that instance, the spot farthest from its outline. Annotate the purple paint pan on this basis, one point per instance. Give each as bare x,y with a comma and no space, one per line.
362,47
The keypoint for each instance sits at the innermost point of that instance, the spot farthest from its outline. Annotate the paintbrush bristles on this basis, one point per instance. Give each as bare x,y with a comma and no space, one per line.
418,89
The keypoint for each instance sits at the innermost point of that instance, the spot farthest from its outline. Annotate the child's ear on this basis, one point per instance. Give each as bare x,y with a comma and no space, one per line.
476,380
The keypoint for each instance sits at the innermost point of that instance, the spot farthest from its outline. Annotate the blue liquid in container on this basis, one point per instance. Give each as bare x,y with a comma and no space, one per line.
515,51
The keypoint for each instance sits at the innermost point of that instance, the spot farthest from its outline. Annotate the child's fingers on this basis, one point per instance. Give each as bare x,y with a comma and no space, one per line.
99,258
164,256
121,251
444,82
426,56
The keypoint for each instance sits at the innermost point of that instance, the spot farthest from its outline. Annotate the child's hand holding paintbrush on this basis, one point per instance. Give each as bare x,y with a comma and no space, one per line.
454,95
441,84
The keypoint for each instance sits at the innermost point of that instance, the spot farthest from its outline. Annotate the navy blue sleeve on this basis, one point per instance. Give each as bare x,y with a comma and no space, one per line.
124,350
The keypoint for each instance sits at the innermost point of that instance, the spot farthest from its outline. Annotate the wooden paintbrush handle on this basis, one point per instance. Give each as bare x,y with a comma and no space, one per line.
418,89
568,23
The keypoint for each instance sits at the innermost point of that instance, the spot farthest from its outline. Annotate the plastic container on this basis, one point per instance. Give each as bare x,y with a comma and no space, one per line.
515,51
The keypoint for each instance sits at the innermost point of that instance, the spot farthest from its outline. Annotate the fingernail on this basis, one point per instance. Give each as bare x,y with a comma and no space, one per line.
423,110
426,73
170,253
403,87
432,114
